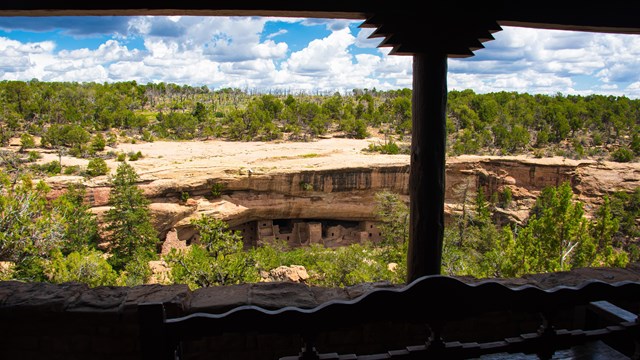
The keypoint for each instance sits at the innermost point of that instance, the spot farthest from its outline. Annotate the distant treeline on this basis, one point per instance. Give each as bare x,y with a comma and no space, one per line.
571,126
70,114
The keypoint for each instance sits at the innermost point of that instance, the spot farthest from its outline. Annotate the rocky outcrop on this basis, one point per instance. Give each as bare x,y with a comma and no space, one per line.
293,273
348,193
167,214
591,180
171,242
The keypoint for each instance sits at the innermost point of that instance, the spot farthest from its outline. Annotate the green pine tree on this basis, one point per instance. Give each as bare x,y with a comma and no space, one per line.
556,237
605,225
80,225
129,225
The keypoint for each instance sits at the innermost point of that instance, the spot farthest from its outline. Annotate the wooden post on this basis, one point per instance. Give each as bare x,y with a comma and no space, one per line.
427,178
153,343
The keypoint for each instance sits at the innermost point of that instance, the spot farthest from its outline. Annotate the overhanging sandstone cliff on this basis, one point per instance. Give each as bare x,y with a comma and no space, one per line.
348,193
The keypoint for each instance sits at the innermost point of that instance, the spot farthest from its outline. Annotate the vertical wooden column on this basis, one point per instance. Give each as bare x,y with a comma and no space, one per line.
427,178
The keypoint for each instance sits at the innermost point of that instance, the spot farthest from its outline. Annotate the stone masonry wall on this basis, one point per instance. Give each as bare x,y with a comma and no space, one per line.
71,321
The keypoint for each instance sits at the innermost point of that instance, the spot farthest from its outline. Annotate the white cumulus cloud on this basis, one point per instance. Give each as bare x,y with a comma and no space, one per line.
243,52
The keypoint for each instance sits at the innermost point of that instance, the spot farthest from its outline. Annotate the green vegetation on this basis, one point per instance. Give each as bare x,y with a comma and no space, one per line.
58,240
506,197
305,186
133,156
625,208
97,167
338,267
512,123
310,155
82,119
79,224
131,233
33,156
216,190
98,143
72,170
389,147
556,237
29,230
66,114
26,142
85,266
51,168
623,154
217,259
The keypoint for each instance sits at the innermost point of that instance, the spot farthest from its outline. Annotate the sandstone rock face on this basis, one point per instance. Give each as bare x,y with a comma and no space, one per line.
160,271
347,193
171,241
293,273
166,215
526,177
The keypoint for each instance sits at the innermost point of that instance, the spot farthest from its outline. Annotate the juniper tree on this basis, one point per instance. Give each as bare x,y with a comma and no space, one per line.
29,229
129,225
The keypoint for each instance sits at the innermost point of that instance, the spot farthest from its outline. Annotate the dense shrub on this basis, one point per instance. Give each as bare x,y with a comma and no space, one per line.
97,167
622,155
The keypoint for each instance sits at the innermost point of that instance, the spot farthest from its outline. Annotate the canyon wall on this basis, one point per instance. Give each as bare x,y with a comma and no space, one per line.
348,193
591,180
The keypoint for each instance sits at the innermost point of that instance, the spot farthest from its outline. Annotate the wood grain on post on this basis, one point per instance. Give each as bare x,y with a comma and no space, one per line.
427,178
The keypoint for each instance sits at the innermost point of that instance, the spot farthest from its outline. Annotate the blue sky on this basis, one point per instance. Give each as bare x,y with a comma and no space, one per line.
262,54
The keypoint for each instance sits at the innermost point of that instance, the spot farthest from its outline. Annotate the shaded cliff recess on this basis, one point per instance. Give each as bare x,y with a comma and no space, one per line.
347,194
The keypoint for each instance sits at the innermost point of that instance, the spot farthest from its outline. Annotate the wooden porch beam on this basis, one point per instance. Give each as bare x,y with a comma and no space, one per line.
427,178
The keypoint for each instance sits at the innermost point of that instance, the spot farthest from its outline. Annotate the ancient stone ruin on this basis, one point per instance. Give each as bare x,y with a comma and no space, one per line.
300,232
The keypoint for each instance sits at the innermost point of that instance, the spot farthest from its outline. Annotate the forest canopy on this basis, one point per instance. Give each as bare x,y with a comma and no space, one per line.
82,117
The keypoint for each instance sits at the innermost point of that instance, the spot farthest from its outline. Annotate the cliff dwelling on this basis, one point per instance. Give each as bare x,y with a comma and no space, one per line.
301,232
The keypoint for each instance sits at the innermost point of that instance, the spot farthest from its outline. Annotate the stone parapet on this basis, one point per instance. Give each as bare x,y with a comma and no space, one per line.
73,321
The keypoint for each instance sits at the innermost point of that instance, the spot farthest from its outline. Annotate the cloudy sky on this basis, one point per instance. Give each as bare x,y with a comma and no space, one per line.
301,55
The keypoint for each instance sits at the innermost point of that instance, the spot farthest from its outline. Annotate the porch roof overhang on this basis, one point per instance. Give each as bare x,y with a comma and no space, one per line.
455,27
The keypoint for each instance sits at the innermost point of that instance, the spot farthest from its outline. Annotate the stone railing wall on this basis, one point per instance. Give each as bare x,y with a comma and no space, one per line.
71,321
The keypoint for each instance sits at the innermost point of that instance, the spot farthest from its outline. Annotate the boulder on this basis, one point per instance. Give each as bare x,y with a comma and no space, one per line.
160,271
293,273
